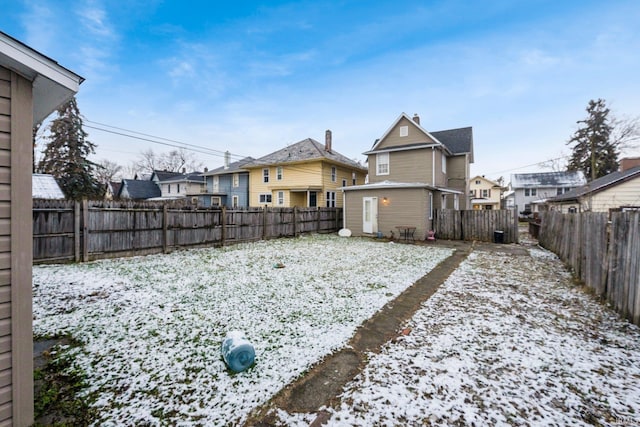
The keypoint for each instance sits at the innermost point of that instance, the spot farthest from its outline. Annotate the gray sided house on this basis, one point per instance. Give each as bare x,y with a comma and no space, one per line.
32,86
530,190
412,172
227,185
180,186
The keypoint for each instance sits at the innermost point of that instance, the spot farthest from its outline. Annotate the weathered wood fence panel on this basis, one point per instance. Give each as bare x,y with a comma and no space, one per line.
603,253
479,225
68,231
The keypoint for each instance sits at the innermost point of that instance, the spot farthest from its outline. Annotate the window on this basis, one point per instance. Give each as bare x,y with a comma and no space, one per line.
216,184
235,201
534,191
215,201
486,193
472,193
530,192
265,198
279,173
334,173
331,199
265,175
313,199
404,130
344,182
236,180
168,188
178,188
353,178
382,163
562,191
280,198
444,163
477,182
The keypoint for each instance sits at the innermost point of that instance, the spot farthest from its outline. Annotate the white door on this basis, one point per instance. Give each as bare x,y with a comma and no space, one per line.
369,214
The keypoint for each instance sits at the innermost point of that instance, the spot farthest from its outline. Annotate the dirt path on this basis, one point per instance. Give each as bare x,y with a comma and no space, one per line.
323,383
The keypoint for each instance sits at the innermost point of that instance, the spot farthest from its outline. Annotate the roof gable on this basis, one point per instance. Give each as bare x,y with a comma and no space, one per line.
482,178
232,168
416,134
136,189
304,151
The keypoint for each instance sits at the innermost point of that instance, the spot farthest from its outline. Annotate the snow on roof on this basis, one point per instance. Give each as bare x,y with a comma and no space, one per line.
44,186
600,184
548,179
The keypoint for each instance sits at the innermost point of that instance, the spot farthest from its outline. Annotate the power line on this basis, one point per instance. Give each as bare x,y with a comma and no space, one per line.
526,166
158,139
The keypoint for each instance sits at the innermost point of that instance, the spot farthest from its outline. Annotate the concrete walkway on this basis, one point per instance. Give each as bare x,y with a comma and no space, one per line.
323,383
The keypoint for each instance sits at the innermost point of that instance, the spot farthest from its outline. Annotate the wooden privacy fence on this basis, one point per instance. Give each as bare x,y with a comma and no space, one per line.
83,231
480,225
603,252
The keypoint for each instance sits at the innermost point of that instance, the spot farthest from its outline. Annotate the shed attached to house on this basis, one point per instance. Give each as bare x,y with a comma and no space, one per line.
31,87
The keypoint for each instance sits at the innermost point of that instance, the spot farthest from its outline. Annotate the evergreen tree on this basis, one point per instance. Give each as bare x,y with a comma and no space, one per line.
65,156
594,152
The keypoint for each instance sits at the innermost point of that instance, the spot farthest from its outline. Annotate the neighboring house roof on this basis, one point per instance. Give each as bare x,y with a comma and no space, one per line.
137,189
44,186
232,168
599,184
53,84
302,151
187,177
472,180
548,179
456,141
115,187
163,175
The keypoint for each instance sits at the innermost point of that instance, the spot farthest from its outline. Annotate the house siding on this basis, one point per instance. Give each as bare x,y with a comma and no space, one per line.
405,166
624,194
457,173
406,206
16,344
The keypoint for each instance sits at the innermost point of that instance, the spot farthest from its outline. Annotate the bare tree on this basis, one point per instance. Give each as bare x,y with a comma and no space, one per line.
108,171
626,132
172,161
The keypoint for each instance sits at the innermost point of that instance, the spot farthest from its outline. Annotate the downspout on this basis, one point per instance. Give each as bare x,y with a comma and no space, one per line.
344,209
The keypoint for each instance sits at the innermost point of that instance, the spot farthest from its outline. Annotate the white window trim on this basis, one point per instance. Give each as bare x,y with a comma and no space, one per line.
334,174
236,180
235,201
265,175
331,199
380,156
280,198
404,131
444,163
279,173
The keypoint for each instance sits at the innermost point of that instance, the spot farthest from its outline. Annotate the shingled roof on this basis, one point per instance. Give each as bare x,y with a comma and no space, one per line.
305,150
458,141
232,168
599,184
139,190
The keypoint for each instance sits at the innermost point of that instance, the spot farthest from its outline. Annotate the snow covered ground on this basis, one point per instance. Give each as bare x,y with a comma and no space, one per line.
151,327
507,340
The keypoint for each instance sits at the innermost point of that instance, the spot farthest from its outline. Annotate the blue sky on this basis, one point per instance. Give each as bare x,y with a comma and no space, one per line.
253,77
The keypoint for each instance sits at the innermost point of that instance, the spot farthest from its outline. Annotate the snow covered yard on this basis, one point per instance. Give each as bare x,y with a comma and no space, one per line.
505,341
151,327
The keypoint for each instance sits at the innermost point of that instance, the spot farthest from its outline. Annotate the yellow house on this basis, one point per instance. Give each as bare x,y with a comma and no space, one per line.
304,174
484,193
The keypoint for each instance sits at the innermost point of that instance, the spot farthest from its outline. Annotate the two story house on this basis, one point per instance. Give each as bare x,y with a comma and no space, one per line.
529,190
227,185
304,174
179,185
411,173
484,193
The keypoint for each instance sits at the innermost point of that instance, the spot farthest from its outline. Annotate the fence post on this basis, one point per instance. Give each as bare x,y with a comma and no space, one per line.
264,222
85,230
76,231
165,229
223,219
318,219
516,230
295,221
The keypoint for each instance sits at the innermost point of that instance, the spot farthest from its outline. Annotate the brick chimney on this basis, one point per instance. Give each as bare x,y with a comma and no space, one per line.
227,158
327,141
416,118
628,163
